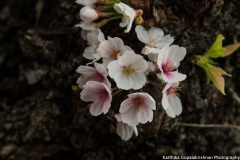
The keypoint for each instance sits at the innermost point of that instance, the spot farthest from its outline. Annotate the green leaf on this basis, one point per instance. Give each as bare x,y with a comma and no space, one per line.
231,48
213,73
216,49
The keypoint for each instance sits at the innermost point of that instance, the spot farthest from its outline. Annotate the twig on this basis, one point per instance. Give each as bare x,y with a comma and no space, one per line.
234,95
208,125
116,92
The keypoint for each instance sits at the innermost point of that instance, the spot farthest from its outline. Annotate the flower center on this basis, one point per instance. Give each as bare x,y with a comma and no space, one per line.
168,67
114,54
97,77
153,41
128,70
102,95
138,102
125,17
174,91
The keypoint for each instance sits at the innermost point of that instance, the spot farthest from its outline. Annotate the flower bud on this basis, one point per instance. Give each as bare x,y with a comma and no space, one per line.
88,14
139,20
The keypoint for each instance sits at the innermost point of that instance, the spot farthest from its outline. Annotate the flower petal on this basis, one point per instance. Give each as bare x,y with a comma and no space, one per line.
170,112
87,26
156,33
176,53
142,34
174,106
89,93
127,58
89,52
153,57
114,68
165,40
130,117
148,50
165,100
123,81
163,56
173,77
118,117
149,101
86,70
117,44
96,108
106,48
140,64
92,37
100,69
126,105
143,115
139,80
124,131
135,130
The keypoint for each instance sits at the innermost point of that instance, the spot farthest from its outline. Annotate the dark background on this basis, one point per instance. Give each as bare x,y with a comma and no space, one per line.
41,118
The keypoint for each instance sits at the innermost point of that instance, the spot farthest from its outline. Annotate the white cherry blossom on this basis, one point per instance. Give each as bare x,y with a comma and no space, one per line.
99,94
138,108
124,130
85,2
168,61
170,100
128,15
111,48
154,39
128,70
92,74
94,38
88,14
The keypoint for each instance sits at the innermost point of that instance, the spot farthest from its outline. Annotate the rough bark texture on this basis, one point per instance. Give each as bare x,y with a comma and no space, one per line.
42,118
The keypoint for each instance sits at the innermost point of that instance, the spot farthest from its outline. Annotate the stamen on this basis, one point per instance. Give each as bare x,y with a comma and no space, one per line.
138,102
168,67
115,55
97,77
128,70
102,95
153,41
125,17
174,91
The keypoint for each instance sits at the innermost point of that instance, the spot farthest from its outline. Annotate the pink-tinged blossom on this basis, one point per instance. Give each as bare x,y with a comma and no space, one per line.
88,14
87,26
85,2
111,48
92,74
168,61
128,70
137,109
154,39
170,100
128,15
99,94
124,130
94,38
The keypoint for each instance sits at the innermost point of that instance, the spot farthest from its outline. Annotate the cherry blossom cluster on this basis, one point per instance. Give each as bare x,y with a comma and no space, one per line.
97,13
114,67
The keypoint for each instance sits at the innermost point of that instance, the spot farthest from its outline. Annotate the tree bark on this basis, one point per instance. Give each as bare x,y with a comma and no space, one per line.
41,118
